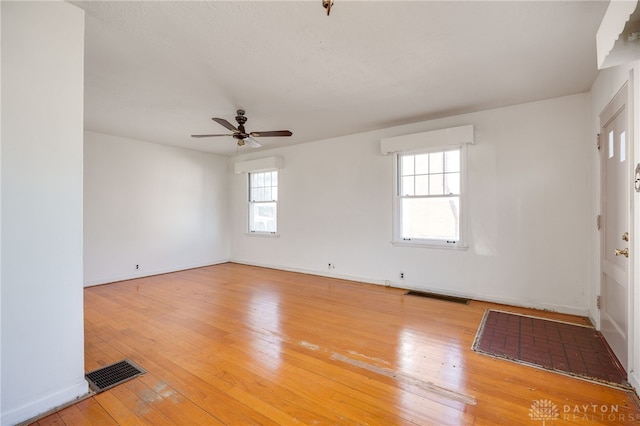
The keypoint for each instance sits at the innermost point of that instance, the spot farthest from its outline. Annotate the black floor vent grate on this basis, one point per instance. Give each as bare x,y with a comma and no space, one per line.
112,375
455,299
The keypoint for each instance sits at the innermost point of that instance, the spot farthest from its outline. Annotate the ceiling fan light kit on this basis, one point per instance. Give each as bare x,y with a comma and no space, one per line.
241,135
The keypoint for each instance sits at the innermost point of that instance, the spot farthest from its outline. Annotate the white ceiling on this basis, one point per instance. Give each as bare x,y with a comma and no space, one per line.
158,71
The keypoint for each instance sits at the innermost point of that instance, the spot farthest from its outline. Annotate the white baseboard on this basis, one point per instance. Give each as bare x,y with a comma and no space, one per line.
634,380
571,310
149,273
44,404
310,272
561,309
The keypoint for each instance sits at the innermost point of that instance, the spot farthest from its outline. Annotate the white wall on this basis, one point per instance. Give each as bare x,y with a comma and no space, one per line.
42,102
528,206
1,223
159,207
607,84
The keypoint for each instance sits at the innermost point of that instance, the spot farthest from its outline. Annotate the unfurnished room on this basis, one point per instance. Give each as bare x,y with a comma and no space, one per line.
320,212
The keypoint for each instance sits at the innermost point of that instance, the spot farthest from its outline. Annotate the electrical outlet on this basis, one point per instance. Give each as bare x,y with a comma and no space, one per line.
402,275
137,266
332,266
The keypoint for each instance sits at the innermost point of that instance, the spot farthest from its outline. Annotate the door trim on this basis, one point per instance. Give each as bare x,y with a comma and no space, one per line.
622,99
633,364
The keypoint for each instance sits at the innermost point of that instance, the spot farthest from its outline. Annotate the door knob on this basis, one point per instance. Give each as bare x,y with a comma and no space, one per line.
622,252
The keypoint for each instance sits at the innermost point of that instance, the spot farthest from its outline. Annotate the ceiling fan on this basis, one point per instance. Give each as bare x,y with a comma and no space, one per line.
240,134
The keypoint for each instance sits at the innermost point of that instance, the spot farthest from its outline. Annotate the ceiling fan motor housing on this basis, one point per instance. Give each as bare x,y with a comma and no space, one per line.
241,119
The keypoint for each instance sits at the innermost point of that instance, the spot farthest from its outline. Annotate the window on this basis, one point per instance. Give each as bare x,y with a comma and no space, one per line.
428,197
263,202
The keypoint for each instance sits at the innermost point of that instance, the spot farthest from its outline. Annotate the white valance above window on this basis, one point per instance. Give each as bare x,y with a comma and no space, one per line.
453,136
259,165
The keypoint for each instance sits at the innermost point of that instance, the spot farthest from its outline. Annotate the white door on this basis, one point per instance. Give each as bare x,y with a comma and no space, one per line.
614,290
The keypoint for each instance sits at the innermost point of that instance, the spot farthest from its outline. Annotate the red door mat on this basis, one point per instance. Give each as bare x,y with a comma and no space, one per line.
565,348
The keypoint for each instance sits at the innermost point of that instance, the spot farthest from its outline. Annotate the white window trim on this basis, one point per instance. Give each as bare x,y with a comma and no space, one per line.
462,243
259,234
266,164
262,234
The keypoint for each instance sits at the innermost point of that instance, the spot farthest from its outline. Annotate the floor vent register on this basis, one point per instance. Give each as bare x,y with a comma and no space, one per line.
112,375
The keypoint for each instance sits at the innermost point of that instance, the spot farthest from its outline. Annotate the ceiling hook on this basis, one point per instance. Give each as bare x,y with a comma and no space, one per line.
327,5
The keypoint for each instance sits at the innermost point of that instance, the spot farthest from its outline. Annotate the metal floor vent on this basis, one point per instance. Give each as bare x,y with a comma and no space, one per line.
455,299
112,375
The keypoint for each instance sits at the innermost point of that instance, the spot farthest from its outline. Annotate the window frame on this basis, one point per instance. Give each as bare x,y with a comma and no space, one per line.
251,203
461,243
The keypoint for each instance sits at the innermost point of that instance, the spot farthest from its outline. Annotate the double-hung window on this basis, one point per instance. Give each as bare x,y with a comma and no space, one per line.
263,202
428,197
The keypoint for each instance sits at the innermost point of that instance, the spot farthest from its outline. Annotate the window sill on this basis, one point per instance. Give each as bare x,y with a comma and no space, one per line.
263,234
458,247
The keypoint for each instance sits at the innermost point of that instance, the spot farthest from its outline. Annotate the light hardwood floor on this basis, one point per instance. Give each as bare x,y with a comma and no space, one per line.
239,345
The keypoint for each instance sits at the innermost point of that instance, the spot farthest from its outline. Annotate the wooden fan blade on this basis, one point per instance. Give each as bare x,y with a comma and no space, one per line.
249,141
271,133
208,136
225,123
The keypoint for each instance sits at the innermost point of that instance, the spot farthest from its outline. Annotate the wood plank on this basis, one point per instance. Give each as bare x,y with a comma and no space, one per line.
86,412
52,420
236,344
